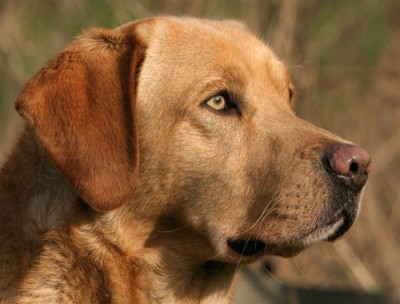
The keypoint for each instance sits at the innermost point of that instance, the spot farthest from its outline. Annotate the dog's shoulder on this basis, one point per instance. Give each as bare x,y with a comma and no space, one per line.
63,273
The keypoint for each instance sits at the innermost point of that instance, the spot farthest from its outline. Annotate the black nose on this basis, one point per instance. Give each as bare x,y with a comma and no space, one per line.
350,163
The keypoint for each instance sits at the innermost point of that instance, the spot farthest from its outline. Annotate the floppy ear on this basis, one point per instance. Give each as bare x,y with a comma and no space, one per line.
81,106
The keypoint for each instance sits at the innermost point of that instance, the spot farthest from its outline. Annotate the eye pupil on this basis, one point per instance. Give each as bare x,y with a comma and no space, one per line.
217,103
218,99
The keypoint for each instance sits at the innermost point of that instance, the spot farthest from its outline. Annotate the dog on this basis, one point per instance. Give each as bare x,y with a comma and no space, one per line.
158,157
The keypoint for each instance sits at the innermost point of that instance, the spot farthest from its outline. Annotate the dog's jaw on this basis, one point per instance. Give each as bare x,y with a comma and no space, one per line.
174,264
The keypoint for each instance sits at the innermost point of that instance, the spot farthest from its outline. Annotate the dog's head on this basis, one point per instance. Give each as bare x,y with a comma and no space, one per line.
190,122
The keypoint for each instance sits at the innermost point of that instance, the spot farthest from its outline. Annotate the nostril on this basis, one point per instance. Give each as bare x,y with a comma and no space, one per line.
349,162
354,168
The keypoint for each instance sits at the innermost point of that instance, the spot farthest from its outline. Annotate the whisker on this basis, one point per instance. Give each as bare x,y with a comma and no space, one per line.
300,66
260,217
169,231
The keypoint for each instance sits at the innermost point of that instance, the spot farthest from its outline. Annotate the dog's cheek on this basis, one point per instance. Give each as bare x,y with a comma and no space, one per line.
209,180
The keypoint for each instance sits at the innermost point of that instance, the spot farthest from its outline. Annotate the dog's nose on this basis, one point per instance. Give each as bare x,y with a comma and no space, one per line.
350,163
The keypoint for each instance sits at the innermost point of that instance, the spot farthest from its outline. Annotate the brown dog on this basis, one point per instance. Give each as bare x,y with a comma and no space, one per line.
157,157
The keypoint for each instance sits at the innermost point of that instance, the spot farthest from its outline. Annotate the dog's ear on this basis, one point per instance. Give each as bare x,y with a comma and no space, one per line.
81,107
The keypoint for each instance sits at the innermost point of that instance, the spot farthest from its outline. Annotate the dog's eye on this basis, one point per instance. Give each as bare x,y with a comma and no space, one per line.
218,103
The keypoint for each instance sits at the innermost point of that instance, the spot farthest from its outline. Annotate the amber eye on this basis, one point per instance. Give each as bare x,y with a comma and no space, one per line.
218,103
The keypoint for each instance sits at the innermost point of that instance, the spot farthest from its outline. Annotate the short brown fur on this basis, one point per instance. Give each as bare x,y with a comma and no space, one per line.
126,186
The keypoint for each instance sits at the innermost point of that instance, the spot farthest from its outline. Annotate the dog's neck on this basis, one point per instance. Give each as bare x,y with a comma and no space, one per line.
175,278
171,266
34,197
146,264
33,186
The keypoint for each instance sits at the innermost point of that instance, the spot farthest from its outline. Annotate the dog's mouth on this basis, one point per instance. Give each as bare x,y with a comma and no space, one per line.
343,224
254,248
332,230
248,247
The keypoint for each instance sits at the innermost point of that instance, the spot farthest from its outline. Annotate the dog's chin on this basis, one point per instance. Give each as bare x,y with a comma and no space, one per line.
332,230
247,250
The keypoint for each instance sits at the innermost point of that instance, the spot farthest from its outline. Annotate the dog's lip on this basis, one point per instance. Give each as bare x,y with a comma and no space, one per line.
331,230
251,249
346,220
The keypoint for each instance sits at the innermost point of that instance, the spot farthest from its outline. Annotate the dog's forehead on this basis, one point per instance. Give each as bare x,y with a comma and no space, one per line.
209,44
200,57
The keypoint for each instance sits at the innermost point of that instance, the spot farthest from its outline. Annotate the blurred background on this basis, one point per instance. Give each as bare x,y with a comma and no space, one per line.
344,57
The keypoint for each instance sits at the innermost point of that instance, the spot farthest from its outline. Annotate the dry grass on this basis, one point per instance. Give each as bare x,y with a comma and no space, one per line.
346,63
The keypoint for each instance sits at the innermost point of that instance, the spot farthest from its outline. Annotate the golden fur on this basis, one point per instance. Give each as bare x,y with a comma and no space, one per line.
125,186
